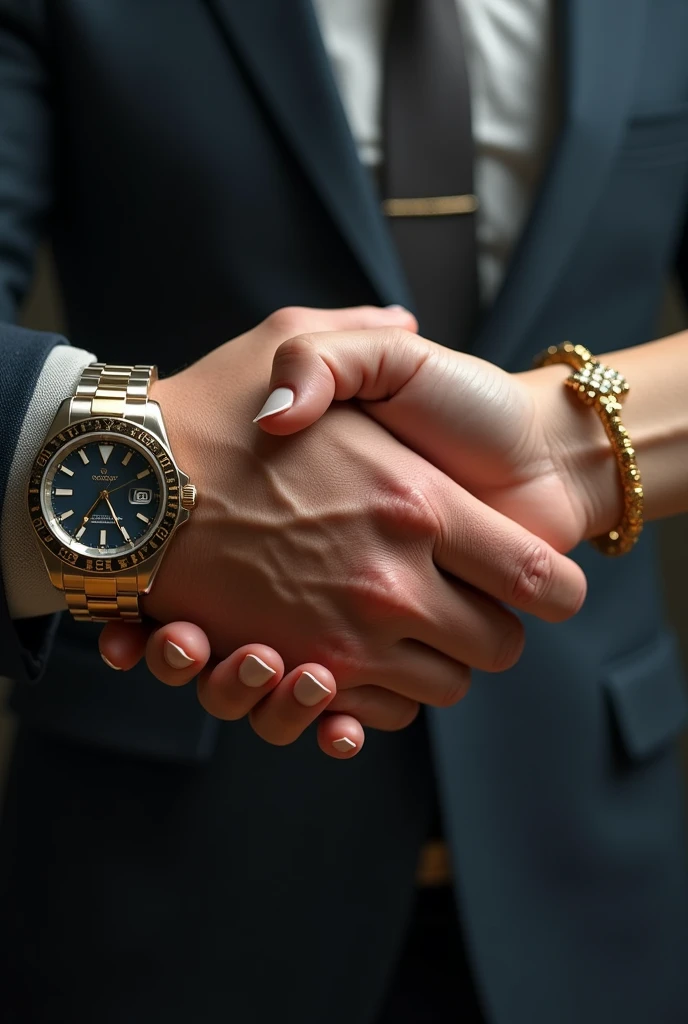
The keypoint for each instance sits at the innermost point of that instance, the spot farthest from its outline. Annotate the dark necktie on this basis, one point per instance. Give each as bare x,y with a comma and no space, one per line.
428,172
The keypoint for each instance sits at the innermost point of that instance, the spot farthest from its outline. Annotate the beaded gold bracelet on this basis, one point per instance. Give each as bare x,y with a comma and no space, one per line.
605,389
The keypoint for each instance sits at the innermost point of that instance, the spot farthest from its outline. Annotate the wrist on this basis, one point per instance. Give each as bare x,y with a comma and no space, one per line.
208,416
168,395
207,410
176,404
579,450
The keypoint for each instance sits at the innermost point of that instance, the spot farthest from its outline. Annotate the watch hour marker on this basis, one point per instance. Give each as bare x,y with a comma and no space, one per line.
127,458
144,472
66,515
144,519
83,456
69,472
105,452
80,532
124,533
63,492
103,538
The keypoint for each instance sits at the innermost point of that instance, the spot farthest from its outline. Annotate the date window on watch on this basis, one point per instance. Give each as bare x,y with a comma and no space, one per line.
140,496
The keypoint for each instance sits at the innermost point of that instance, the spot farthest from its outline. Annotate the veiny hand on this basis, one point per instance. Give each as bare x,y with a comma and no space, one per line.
340,544
224,694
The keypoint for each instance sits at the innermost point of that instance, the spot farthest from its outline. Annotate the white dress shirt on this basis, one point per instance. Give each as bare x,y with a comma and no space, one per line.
509,51
508,45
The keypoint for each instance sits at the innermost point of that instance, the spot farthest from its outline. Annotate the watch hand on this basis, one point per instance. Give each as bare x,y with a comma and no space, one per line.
121,529
120,486
90,511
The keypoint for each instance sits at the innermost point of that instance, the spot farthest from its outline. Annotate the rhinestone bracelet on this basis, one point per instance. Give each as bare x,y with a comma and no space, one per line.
605,389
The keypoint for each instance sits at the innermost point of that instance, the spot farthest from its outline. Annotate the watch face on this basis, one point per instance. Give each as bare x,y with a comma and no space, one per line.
104,495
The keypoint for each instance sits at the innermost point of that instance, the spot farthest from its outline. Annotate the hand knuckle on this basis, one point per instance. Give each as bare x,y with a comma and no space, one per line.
288,319
381,591
407,505
534,576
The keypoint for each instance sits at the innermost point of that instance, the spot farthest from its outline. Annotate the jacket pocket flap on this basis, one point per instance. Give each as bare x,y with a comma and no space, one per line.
648,696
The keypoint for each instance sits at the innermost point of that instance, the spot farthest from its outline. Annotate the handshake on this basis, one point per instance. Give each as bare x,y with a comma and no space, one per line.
378,553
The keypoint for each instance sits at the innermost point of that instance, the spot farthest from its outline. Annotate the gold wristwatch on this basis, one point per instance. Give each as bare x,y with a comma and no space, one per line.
105,494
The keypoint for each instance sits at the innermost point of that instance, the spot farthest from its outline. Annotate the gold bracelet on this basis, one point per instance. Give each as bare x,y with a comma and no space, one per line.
605,389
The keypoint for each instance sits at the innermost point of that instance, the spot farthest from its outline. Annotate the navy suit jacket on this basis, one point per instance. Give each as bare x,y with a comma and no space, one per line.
192,164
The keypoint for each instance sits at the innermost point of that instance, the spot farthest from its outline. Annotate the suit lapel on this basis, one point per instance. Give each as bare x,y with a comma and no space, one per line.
280,47
598,88
281,50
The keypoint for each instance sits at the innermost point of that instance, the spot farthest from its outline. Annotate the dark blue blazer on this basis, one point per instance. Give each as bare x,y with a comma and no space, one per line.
192,164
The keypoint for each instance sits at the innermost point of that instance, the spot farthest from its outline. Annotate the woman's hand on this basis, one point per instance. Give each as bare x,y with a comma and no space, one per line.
252,682
489,430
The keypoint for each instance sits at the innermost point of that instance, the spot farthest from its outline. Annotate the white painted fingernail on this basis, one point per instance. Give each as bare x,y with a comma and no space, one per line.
308,691
344,745
176,656
109,663
279,400
254,672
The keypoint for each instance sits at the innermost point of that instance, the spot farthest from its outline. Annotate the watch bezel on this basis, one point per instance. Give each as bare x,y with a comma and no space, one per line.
152,544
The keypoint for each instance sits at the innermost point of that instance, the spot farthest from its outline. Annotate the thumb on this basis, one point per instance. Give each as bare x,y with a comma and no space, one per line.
302,387
311,370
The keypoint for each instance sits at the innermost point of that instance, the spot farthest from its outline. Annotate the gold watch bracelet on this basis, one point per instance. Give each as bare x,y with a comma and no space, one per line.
121,392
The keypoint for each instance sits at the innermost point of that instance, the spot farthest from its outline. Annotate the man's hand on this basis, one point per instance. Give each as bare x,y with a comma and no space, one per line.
340,545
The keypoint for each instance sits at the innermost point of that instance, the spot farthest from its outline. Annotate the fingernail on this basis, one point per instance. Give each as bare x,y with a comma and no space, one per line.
109,663
279,400
254,672
175,656
344,745
397,309
308,691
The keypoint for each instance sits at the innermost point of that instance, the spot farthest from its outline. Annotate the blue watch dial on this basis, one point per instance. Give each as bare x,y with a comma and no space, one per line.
105,495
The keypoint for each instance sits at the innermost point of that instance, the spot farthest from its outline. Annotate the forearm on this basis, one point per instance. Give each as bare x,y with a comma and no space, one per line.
655,414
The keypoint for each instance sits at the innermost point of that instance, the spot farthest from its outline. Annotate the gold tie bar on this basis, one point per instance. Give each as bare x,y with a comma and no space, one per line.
431,206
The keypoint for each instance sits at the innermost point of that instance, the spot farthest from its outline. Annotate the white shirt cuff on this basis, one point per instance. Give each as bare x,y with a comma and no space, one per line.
28,589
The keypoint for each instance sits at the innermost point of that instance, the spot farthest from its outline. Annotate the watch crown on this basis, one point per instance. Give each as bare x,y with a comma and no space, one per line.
188,496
